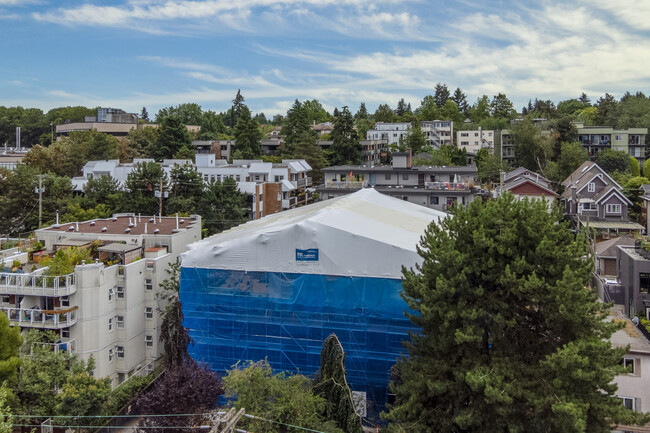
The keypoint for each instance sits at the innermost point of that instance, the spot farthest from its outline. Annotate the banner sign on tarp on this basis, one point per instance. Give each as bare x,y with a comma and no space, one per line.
310,255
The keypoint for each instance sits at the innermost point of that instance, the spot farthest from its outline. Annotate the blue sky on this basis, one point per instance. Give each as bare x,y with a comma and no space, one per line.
156,53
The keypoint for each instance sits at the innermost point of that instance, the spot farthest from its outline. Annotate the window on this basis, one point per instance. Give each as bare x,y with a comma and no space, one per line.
464,134
65,301
632,364
120,351
148,313
5,299
110,325
111,291
65,333
618,137
279,178
387,176
148,340
591,187
644,282
629,403
120,292
435,199
613,208
120,321
111,353
148,284
149,264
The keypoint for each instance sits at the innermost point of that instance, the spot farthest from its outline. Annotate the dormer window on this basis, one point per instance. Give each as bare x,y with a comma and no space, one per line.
591,187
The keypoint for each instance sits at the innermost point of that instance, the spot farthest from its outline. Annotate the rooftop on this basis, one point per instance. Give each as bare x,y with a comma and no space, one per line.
120,223
628,335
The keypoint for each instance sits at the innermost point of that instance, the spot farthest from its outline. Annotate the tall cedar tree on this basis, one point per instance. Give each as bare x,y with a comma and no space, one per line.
513,339
331,384
441,94
247,136
345,147
172,137
295,125
307,149
173,335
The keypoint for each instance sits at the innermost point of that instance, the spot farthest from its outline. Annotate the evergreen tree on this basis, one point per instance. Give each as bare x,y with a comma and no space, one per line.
172,136
416,140
186,189
428,110
222,206
384,114
635,168
401,108
441,94
331,384
11,341
512,339
144,115
237,106
247,136
584,99
501,107
173,334
305,147
296,124
345,147
461,100
141,185
362,113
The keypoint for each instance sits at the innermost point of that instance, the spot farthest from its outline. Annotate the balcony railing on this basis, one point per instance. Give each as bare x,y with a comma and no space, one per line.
303,182
38,285
289,203
342,184
37,318
458,186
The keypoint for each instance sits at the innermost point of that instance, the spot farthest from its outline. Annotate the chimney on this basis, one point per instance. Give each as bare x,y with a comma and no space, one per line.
176,220
574,199
145,228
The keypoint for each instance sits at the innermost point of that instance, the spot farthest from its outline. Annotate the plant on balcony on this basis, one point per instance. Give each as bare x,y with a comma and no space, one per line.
65,260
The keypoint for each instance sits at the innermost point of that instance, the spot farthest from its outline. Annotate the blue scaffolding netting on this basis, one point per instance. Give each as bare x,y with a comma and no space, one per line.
285,317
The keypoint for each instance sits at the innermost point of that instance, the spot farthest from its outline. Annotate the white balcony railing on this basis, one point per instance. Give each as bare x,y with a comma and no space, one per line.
459,186
38,285
37,318
289,203
342,184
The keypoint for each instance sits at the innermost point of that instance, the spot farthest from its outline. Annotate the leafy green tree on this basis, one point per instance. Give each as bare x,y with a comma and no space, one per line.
501,106
450,111
315,112
248,136
11,341
61,115
140,187
222,206
646,168
283,398
570,107
490,167
172,136
613,160
572,155
211,126
186,189
99,146
606,110
532,149
141,143
428,110
480,109
82,395
6,421
102,190
383,113
186,114
75,212
416,140
635,169
441,94
345,148
331,384
363,126
511,340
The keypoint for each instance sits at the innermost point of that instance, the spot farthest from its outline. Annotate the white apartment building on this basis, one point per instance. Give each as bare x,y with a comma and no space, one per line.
107,309
477,139
437,132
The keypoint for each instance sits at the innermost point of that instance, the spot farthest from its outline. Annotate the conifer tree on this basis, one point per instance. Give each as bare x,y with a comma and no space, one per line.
513,339
296,124
345,147
247,136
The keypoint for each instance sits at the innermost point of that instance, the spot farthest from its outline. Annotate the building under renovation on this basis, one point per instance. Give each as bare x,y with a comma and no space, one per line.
276,287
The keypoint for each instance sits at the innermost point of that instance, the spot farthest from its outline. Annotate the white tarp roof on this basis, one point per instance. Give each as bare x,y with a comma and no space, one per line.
361,234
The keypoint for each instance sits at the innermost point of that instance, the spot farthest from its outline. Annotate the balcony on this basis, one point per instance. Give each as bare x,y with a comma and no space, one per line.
37,285
342,184
289,203
302,183
444,186
36,318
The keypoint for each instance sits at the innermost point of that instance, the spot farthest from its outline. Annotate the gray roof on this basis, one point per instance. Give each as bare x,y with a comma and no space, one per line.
608,248
629,335
118,248
384,168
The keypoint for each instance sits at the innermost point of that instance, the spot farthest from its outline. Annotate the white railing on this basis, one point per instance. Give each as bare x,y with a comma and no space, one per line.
302,183
37,318
289,203
343,184
37,284
446,185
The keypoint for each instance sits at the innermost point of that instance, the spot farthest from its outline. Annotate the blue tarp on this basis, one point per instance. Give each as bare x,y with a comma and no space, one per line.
239,315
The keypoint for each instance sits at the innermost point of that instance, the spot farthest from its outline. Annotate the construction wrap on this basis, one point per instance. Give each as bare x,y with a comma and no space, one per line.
285,317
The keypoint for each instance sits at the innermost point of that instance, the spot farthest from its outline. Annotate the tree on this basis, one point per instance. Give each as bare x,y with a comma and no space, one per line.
634,167
6,421
82,395
402,108
331,384
613,160
362,113
186,189
307,149
646,169
532,149
460,99
172,137
564,132
99,146
315,112
441,94
283,398
141,143
490,167
140,187
480,110
512,339
584,99
606,110
383,113
247,136
187,114
211,126
102,190
237,106
183,389
501,107
222,206
345,148
173,334
572,155
144,115
416,140
11,341
428,110
296,124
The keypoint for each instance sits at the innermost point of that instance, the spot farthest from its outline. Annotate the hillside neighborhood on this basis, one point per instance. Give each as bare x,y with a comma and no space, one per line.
332,261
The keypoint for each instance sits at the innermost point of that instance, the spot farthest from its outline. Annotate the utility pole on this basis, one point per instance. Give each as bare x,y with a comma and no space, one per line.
40,191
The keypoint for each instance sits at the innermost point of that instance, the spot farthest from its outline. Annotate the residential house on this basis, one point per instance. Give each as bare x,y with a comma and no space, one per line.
524,183
107,309
434,187
475,140
592,197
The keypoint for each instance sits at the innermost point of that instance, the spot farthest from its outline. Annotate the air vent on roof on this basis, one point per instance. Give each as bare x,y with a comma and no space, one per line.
128,230
156,231
71,228
181,221
104,229
131,224
114,218
175,231
92,223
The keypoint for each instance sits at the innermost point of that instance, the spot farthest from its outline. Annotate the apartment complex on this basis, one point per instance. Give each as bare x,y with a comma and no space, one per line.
597,138
437,132
434,187
107,309
477,139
